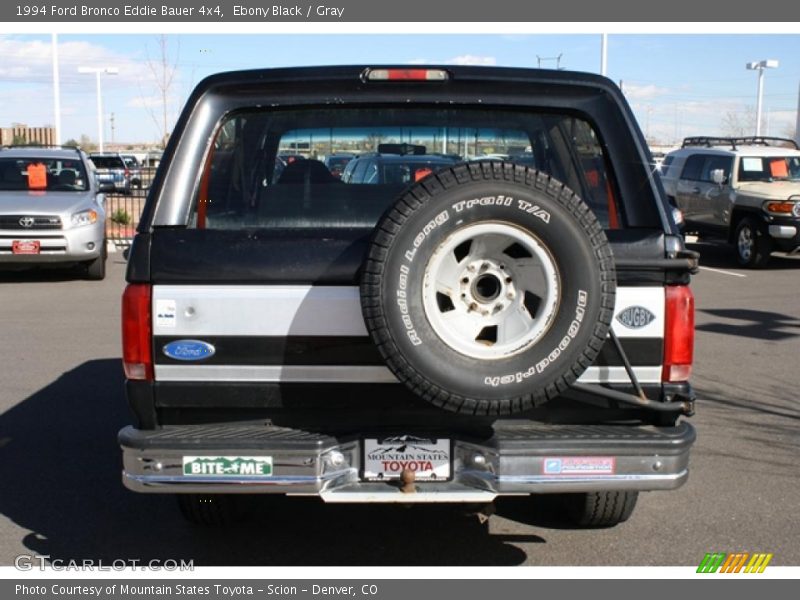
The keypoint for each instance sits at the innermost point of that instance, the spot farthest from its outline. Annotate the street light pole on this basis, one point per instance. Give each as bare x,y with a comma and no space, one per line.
97,71
760,66
56,91
604,54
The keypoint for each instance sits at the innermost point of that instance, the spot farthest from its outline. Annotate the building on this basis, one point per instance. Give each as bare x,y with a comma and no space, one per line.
20,133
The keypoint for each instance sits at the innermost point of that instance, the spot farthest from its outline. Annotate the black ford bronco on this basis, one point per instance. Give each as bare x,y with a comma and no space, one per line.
506,310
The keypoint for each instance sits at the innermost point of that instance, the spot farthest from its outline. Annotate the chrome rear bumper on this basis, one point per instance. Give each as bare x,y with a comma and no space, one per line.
512,461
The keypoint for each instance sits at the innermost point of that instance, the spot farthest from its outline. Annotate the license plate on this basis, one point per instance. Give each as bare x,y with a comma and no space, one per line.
25,247
386,458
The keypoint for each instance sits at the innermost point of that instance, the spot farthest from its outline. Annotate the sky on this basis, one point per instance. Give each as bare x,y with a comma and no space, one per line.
678,85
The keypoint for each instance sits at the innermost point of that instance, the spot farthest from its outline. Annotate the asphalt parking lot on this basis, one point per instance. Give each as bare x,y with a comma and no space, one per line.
62,403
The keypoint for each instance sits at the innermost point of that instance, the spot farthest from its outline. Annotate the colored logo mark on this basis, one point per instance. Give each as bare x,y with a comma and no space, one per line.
736,562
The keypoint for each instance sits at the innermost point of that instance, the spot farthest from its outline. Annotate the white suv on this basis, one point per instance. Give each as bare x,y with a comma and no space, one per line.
743,190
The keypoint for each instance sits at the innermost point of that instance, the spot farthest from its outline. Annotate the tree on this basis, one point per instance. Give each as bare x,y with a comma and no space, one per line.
739,123
86,143
163,68
72,142
373,140
19,140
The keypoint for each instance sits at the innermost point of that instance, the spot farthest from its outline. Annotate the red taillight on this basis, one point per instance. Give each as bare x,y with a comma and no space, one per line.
127,173
406,75
678,334
137,356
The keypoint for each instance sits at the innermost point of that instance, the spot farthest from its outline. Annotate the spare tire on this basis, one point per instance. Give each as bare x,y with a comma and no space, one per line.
488,288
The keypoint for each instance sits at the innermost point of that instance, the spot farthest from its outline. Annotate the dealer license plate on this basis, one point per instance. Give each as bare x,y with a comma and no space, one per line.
25,247
386,458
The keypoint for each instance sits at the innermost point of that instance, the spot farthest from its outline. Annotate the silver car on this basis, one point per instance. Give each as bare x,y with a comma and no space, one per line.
51,210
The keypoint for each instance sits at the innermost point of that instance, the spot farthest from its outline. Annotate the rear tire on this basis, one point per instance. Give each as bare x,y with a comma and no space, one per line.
599,509
213,510
752,244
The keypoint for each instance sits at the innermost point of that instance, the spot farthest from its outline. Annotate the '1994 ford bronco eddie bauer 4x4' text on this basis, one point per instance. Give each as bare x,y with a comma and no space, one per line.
494,300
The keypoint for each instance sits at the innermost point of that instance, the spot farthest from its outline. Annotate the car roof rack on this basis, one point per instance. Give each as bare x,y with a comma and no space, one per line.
733,142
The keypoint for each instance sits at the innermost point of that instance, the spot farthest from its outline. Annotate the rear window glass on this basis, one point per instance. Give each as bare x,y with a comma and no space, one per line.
693,167
108,162
42,174
267,169
716,163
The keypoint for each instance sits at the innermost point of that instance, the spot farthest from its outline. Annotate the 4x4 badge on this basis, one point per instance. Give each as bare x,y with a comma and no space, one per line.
635,317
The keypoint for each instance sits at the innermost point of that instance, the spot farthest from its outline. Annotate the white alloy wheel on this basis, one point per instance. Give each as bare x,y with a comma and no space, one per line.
490,290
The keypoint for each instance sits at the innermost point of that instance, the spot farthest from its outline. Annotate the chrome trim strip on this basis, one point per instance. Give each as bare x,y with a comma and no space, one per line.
275,373
597,479
350,374
619,375
287,481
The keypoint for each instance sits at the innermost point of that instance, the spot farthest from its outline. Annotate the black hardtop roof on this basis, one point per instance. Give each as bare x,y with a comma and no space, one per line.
588,96
355,73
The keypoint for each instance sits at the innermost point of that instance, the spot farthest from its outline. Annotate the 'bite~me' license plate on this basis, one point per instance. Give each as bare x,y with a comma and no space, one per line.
386,458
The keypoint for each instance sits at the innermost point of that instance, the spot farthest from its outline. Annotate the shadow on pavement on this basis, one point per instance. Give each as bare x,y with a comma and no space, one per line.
60,467
721,256
757,324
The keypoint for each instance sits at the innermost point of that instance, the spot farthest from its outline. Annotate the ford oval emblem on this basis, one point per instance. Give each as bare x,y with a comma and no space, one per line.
635,317
189,350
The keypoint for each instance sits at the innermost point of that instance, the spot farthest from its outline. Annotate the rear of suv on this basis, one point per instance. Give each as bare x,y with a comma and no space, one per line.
745,191
483,329
111,168
394,164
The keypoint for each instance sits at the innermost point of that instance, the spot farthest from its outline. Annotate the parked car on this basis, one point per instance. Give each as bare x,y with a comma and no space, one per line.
454,332
743,191
134,170
51,210
336,163
111,168
385,167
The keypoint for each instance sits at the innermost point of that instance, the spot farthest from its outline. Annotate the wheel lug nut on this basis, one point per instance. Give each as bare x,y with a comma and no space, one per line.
465,280
508,279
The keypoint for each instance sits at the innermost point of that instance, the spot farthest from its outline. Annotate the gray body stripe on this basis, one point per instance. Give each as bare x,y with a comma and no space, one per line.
350,374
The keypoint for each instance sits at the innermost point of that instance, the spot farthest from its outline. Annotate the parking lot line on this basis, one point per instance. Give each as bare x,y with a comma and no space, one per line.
724,272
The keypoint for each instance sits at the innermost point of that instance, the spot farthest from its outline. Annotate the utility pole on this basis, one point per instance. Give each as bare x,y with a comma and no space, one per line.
604,54
97,71
760,66
797,126
56,90
112,128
